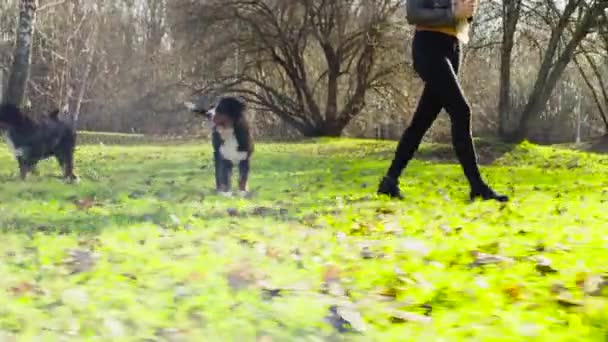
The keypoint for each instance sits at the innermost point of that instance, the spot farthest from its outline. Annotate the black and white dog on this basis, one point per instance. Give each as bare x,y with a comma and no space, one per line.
32,140
231,139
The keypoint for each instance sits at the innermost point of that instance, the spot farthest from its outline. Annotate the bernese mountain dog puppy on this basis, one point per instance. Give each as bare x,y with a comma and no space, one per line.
231,139
32,140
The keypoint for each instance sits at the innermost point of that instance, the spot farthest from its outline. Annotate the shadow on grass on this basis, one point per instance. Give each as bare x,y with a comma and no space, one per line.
68,224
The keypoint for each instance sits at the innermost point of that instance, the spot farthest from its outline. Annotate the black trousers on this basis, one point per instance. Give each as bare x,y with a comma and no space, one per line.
437,60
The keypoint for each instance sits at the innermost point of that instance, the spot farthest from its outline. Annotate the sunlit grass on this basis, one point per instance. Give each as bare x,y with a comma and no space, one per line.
156,255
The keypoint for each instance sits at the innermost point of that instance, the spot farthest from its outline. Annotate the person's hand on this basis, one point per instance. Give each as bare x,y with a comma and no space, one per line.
465,8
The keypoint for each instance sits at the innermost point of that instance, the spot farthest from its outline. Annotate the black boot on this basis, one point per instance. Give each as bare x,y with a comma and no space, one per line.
390,187
486,193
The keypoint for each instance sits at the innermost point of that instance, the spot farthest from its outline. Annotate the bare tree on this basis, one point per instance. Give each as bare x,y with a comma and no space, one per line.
310,62
511,12
591,64
19,73
584,16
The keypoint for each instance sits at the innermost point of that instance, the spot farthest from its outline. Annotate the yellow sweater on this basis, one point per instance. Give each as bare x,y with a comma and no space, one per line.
461,31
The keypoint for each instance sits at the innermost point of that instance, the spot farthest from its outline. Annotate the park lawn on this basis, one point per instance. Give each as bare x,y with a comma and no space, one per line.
142,249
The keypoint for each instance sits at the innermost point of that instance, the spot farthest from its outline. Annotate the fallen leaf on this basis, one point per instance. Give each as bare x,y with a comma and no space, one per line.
558,288
331,274
398,316
580,279
345,319
514,292
85,203
241,276
80,260
543,265
366,253
274,253
388,292
25,288
566,301
90,243
594,285
482,259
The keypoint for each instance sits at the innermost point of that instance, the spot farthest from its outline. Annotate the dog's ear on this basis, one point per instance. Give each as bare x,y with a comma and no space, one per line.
235,107
10,113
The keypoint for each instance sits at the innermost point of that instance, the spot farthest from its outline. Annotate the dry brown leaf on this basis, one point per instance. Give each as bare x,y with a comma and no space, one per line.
580,279
514,292
558,288
331,274
85,203
388,292
25,288
274,253
241,276
89,243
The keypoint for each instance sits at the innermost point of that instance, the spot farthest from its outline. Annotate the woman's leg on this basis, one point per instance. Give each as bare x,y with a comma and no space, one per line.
443,79
436,60
428,108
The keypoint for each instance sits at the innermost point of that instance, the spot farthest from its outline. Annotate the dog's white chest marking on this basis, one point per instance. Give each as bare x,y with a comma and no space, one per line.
229,148
16,152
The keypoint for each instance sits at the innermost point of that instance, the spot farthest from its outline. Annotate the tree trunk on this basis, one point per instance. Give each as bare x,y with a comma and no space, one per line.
550,71
19,74
332,128
511,14
84,82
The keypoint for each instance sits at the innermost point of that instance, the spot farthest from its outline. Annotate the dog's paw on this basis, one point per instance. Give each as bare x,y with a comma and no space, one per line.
72,180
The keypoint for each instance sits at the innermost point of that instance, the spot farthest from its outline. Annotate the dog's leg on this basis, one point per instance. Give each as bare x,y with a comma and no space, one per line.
68,169
227,177
219,169
24,168
66,162
223,173
244,176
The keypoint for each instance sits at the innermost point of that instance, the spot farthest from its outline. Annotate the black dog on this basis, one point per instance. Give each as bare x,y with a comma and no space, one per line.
231,139
33,140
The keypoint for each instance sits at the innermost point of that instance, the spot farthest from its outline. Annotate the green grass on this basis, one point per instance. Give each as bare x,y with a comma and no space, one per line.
157,256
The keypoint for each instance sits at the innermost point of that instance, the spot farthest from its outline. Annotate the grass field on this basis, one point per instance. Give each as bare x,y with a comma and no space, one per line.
143,250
